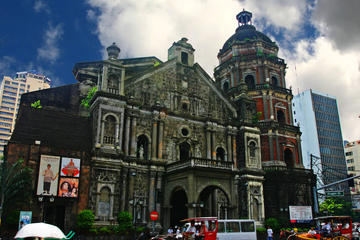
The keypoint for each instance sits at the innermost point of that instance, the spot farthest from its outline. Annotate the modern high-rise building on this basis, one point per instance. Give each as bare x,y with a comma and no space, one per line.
322,144
352,156
11,90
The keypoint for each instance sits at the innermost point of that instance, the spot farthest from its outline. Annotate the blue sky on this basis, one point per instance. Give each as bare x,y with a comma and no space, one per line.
319,39
49,37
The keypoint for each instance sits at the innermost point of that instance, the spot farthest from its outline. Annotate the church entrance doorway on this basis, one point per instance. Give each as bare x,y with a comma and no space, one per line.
179,210
214,203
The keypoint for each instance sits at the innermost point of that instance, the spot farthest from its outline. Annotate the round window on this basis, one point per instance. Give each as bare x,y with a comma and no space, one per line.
184,132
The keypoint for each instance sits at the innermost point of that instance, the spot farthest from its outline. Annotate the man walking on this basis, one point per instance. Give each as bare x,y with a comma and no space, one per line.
269,233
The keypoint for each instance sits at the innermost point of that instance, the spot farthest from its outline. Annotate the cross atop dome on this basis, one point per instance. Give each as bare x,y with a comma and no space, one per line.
244,18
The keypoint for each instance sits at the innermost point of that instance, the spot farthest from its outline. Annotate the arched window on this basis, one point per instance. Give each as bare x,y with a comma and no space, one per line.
142,147
113,84
220,154
252,149
288,158
184,151
104,204
109,130
274,81
226,86
250,82
280,116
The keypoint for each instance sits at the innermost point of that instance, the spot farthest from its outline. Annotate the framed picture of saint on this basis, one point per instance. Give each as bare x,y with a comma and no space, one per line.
48,175
70,167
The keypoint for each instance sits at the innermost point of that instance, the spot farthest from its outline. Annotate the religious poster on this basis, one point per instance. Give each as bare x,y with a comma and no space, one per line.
68,187
70,167
48,175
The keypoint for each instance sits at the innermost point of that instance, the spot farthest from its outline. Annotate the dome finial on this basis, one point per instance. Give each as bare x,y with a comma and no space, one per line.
113,51
244,18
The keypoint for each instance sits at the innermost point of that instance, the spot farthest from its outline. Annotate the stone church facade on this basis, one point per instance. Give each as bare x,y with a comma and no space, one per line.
164,136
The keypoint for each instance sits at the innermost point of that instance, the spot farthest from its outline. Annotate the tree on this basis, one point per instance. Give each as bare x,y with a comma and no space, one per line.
335,206
15,187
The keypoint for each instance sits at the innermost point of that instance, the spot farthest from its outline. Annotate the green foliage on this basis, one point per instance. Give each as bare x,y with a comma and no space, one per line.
105,230
332,206
86,101
271,55
256,117
125,222
85,219
36,104
260,229
15,185
157,63
273,223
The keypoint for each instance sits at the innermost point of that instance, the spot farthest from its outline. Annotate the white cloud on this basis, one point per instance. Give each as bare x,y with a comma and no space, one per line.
40,6
330,71
149,27
49,51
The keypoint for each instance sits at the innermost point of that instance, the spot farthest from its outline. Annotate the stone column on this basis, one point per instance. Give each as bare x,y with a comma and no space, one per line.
161,134
271,146
271,106
121,130
229,150
123,190
133,138
104,79
208,144
291,120
127,135
277,146
152,192
102,131
231,78
154,141
266,114
213,144
99,128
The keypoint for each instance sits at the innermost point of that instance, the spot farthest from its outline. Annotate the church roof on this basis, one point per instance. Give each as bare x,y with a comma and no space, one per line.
244,33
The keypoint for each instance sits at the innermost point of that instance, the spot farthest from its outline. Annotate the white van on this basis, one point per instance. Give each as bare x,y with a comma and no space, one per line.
236,229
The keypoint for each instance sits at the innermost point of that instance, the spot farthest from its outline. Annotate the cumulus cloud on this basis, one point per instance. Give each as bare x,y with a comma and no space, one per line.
320,66
149,27
339,22
49,51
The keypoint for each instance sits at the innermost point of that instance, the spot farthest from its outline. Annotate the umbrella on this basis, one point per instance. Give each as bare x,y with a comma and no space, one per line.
40,230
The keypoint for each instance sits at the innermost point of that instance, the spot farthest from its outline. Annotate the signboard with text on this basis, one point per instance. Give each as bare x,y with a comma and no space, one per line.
300,214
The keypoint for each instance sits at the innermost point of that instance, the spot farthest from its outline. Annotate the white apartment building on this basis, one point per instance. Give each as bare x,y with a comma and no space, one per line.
10,94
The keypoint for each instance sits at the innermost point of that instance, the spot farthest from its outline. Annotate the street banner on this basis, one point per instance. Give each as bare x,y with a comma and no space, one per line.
300,214
25,218
48,175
